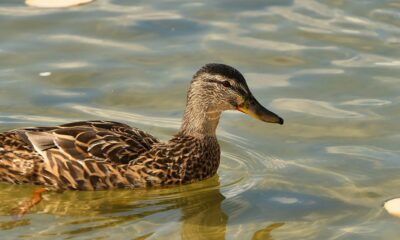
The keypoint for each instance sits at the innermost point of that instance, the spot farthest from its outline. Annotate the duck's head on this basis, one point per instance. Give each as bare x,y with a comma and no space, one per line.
219,87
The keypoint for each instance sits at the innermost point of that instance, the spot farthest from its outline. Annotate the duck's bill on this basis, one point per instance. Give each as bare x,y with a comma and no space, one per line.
254,109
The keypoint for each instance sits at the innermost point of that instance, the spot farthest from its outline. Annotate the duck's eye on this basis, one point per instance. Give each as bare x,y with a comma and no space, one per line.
226,84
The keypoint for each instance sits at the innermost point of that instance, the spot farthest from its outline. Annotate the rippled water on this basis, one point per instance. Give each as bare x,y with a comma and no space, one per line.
330,68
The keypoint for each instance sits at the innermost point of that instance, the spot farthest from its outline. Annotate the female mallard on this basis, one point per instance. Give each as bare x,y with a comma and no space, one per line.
96,155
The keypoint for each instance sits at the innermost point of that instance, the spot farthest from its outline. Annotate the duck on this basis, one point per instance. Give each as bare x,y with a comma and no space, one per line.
100,155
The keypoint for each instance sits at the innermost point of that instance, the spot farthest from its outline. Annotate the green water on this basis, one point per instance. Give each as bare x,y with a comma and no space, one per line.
329,68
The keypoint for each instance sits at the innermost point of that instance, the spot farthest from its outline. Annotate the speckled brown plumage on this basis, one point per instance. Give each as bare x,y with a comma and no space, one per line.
95,155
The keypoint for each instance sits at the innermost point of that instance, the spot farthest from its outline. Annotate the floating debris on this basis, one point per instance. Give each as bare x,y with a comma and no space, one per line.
45,74
56,3
393,207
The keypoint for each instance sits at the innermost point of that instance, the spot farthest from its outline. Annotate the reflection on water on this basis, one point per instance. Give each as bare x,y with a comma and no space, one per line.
265,233
201,217
330,68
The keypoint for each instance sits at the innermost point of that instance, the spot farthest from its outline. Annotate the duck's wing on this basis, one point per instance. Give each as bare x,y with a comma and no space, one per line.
98,140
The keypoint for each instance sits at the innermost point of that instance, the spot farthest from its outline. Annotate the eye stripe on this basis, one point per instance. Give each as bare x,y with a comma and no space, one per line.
241,91
221,82
237,89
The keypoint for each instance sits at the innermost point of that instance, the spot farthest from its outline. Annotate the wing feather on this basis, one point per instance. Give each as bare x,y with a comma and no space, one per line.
98,140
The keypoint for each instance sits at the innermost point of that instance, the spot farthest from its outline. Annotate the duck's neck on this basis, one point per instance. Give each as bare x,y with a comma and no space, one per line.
199,119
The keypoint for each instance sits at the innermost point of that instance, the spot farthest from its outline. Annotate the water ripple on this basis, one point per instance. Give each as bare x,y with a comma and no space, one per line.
367,60
72,65
17,118
313,107
130,117
264,80
371,153
262,43
367,102
99,42
22,11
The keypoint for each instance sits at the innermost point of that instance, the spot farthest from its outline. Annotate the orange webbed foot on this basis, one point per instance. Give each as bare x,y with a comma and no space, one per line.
26,205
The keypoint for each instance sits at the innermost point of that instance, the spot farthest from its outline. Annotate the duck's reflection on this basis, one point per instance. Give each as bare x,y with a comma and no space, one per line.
265,233
197,206
196,209
203,217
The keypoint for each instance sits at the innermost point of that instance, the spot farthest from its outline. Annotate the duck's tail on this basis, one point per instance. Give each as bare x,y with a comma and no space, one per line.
17,160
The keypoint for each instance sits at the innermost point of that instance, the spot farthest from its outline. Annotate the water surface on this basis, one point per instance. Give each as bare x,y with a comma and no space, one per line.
330,68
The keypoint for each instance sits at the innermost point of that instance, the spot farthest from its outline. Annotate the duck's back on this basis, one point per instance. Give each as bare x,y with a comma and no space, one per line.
74,155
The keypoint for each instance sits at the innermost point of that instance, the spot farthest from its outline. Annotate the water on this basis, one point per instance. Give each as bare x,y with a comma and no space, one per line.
330,68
